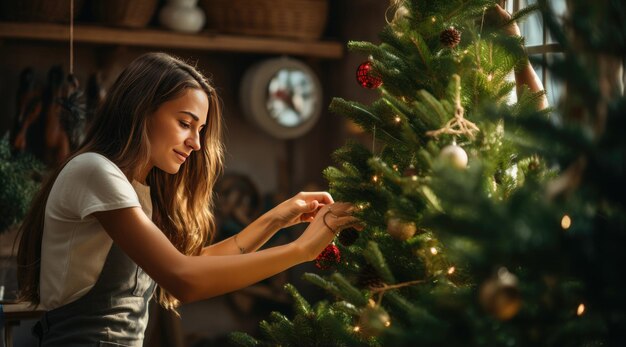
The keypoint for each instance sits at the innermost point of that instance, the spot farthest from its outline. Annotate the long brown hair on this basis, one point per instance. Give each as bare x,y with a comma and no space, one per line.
183,202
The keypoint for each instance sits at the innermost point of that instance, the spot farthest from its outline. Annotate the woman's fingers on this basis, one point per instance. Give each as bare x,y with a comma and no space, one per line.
340,209
308,204
323,229
321,197
310,211
359,226
338,214
503,13
336,223
348,222
337,209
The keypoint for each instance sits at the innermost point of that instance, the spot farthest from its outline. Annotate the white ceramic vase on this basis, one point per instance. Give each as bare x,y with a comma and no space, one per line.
182,15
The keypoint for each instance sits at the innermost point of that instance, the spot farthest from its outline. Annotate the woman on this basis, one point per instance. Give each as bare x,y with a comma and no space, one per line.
134,205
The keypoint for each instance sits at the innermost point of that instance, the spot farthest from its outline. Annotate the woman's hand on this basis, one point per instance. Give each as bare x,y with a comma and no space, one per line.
303,207
504,16
330,220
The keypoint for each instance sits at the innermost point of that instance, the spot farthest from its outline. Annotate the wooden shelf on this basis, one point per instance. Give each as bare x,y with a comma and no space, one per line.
167,39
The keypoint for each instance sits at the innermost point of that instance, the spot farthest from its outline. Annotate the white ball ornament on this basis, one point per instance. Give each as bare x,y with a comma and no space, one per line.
455,155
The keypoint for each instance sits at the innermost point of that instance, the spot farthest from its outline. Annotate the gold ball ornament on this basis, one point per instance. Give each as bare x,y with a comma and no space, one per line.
373,321
500,295
455,155
400,230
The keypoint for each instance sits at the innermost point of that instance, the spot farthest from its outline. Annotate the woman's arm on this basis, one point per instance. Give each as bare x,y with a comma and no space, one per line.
302,207
526,75
251,238
191,278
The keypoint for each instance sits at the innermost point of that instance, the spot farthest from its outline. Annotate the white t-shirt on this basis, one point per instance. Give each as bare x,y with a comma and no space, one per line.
74,245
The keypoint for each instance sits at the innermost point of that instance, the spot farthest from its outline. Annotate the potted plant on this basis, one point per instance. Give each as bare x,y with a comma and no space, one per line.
20,177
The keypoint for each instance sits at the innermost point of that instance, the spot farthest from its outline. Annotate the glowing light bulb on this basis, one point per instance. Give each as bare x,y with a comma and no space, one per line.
433,250
433,19
375,178
395,167
356,329
566,222
451,270
387,324
581,309
414,178
397,119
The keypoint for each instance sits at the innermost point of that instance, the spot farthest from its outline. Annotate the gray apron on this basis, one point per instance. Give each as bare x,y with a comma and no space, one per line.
112,313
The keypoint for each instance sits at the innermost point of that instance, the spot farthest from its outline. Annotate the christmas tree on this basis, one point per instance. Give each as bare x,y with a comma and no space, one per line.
488,222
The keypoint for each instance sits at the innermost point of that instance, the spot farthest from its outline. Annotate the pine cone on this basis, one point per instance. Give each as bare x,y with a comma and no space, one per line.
368,277
450,37
348,237
534,163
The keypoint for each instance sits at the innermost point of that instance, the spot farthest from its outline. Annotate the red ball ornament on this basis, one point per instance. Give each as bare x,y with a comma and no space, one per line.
367,77
329,256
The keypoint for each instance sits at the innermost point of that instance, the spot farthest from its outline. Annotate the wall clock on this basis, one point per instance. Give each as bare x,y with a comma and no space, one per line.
282,96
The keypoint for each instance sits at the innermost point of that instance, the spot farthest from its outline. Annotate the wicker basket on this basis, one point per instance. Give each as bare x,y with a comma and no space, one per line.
125,13
57,11
302,19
